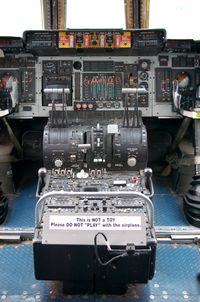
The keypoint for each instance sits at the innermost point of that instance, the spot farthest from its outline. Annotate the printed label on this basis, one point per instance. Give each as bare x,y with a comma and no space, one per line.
128,223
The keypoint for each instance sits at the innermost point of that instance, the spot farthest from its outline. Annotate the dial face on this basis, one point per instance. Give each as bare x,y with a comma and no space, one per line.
183,79
143,76
50,66
144,85
144,65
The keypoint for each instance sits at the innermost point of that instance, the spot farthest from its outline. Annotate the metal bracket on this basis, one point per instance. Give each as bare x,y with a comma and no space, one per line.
164,234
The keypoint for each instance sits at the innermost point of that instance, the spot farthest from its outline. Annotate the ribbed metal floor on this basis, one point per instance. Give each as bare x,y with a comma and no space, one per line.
174,280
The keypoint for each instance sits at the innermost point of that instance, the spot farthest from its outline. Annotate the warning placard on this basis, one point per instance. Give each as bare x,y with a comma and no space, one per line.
71,222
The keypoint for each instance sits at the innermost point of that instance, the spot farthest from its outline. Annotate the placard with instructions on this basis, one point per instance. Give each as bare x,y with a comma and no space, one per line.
60,228
95,222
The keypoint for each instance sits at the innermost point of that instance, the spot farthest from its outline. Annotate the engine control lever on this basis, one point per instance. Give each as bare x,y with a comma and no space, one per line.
133,90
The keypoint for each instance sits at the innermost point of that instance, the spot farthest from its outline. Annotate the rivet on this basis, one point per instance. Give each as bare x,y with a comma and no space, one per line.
165,297
37,297
152,297
24,297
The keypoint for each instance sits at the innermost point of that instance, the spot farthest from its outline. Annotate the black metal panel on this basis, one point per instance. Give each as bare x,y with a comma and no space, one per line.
81,273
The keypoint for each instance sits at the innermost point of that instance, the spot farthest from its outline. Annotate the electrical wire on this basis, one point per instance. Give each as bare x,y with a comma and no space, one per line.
123,254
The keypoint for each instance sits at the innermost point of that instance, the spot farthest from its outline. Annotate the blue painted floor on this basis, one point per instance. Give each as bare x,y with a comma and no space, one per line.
176,266
168,208
174,280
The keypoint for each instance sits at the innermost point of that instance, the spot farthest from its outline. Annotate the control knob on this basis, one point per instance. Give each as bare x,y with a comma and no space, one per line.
131,161
58,162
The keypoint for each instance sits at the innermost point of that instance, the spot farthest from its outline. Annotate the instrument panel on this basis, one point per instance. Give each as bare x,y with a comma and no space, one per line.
97,84
101,39
90,77
96,39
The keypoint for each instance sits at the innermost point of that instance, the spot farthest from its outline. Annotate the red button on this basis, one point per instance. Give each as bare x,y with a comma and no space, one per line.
84,106
134,179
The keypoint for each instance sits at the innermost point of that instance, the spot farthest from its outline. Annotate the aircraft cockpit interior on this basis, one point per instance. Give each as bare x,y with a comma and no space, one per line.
100,152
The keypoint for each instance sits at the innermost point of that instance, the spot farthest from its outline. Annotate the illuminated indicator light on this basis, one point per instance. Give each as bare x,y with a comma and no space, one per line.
126,40
63,40
90,106
102,40
71,41
117,40
84,106
78,106
87,40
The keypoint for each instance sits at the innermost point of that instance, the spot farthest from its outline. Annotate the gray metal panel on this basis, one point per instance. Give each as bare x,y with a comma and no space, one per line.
155,108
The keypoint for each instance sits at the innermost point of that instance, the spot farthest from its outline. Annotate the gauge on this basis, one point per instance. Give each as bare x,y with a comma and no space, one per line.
77,65
143,76
144,85
144,64
183,79
50,66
